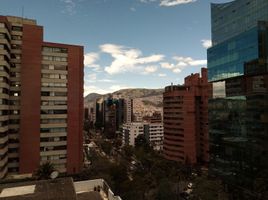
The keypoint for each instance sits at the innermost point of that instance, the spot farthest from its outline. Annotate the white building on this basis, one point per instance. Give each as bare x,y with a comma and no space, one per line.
131,131
154,134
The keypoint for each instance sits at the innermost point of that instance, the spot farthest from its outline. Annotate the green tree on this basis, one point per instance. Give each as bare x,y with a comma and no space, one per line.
141,141
44,171
107,147
128,151
166,191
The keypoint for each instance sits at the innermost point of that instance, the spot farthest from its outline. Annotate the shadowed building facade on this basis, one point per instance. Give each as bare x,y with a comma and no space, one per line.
238,109
41,100
185,120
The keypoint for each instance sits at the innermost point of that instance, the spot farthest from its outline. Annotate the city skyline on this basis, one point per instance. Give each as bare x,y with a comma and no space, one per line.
128,44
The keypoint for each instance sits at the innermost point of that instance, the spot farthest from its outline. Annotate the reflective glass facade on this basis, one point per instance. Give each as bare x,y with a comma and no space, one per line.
238,111
236,17
227,59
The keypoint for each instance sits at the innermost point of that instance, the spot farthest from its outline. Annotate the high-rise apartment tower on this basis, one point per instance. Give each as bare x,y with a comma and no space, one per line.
41,111
185,120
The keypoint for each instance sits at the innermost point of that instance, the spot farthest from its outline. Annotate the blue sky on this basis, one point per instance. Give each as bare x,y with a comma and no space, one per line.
127,43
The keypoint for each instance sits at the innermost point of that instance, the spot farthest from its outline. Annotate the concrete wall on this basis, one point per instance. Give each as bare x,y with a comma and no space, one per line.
84,186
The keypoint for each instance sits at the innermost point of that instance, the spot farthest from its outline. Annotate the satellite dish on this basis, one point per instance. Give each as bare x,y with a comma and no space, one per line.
54,174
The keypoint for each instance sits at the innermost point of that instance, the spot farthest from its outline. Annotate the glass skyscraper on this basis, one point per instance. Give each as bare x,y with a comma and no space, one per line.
238,111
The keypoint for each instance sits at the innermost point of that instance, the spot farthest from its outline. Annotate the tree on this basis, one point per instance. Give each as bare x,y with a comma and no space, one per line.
128,150
44,171
165,191
141,141
106,147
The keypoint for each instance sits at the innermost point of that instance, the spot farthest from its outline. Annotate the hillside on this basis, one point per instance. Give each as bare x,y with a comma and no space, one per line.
127,93
146,101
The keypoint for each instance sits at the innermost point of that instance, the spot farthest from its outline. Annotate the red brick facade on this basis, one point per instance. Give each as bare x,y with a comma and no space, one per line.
186,120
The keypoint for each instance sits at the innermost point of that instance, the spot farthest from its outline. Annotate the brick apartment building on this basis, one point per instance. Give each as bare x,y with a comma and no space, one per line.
186,120
41,111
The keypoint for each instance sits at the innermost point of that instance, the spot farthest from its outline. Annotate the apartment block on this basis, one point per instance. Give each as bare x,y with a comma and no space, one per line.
41,99
186,120
154,134
128,110
131,131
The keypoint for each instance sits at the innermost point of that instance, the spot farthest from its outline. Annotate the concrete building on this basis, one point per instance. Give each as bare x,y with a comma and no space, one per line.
41,99
186,120
156,117
60,189
238,111
154,134
128,110
130,132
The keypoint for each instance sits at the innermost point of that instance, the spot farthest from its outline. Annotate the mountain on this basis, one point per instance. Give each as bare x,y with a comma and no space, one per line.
127,93
92,97
145,101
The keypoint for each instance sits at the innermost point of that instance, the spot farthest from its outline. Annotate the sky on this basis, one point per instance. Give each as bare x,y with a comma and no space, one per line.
127,43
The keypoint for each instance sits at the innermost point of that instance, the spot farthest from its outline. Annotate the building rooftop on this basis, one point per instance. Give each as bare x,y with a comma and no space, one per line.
41,190
60,189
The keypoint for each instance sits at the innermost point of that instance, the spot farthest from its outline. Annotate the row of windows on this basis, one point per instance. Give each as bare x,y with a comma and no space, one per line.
55,49
53,130
16,37
55,76
51,112
53,139
54,84
55,157
16,28
54,67
53,121
53,103
55,58
54,94
56,148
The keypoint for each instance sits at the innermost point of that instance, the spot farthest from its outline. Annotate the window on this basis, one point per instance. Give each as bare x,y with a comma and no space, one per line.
16,28
16,37
55,49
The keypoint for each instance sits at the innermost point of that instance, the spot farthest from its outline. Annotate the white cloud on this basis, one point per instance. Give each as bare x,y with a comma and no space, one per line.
93,89
167,65
89,88
106,81
177,70
150,69
133,9
147,1
118,87
188,61
169,3
182,62
127,59
206,43
92,76
90,59
162,75
69,7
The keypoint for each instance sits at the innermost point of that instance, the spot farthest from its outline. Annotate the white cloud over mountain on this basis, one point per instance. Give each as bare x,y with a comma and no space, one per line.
127,59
